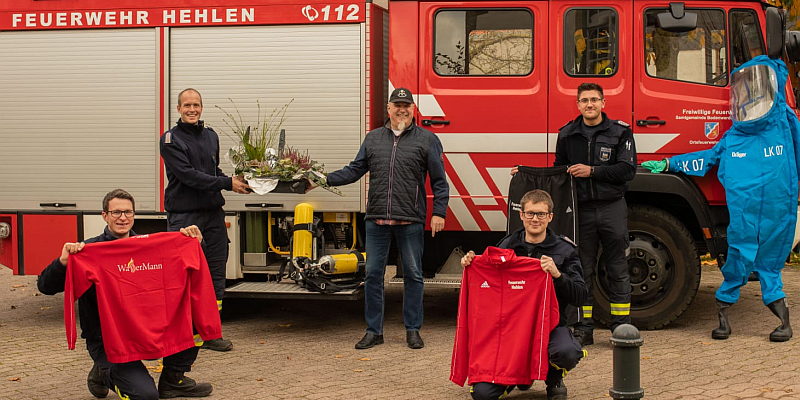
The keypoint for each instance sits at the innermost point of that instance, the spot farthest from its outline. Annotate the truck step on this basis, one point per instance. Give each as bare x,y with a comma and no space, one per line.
439,281
287,290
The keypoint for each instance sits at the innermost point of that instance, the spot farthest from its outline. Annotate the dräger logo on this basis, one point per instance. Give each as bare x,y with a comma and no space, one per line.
736,154
132,267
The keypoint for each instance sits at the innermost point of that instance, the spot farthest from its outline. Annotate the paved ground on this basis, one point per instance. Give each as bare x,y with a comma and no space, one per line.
304,350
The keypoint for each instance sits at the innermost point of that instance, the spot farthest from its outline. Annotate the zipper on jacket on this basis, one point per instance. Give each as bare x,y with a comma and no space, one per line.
391,178
591,145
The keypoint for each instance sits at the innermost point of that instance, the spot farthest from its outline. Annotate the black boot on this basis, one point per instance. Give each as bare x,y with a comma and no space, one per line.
555,385
724,330
173,383
95,383
781,310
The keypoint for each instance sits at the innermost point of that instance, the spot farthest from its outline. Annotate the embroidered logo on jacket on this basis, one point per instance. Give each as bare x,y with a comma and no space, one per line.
517,284
132,267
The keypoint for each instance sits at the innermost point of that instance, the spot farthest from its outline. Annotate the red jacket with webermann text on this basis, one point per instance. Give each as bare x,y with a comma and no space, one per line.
151,291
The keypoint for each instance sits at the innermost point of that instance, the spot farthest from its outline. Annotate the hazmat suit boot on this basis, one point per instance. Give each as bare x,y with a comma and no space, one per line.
555,385
173,384
781,310
724,329
95,383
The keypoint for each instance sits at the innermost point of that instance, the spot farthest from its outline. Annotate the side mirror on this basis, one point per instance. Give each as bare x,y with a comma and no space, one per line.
793,46
776,29
677,20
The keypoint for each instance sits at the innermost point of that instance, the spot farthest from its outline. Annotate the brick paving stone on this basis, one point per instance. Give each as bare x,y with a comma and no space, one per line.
308,351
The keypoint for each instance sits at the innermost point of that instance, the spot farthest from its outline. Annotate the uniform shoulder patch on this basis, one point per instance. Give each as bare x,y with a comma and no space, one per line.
168,137
568,240
623,123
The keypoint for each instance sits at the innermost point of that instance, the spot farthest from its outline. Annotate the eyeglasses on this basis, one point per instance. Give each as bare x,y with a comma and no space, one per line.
118,213
531,214
593,100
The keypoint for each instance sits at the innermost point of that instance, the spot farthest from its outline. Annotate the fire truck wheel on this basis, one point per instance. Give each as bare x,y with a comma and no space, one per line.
664,269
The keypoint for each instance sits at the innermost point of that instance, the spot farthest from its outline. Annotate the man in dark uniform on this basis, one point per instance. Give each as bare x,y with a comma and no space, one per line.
129,380
399,156
193,195
559,259
601,174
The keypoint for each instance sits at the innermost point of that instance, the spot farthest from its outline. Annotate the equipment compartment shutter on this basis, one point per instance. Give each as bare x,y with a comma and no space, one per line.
319,66
77,117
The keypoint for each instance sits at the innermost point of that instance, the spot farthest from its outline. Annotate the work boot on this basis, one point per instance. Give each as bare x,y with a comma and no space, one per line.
781,310
414,340
173,383
724,330
556,390
369,340
584,337
95,383
218,345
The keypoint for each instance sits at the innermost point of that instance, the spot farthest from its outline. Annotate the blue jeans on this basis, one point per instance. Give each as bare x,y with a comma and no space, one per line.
409,239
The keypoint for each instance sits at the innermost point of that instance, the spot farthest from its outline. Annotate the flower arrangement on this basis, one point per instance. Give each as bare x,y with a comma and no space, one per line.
262,157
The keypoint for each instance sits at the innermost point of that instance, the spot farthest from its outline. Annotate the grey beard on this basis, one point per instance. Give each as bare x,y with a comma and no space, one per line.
401,126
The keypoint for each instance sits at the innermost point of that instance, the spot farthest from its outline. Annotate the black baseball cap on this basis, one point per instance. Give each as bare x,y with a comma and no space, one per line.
401,95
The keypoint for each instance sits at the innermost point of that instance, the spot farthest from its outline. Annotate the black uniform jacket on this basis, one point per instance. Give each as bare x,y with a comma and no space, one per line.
570,287
612,153
191,161
52,279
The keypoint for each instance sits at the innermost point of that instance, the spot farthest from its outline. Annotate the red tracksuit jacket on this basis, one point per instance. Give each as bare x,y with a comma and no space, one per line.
506,310
151,290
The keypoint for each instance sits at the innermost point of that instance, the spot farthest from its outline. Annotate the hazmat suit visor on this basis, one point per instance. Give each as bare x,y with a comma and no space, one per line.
752,92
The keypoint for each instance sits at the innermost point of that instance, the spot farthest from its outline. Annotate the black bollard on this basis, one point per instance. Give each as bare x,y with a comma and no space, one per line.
626,341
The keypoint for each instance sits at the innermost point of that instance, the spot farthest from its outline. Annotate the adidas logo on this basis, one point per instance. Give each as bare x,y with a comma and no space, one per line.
569,209
485,285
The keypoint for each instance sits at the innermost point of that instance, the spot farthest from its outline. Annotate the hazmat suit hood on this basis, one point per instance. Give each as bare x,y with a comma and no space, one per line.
758,98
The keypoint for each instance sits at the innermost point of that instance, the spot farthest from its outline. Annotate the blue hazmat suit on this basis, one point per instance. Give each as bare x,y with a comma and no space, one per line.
758,161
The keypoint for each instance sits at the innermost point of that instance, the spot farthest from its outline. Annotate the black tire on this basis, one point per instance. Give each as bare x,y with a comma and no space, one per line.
664,267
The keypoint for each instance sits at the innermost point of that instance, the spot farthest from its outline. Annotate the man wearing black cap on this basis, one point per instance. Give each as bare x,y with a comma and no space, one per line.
398,157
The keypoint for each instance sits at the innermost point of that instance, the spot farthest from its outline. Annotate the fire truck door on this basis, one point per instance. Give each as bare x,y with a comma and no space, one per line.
590,44
483,90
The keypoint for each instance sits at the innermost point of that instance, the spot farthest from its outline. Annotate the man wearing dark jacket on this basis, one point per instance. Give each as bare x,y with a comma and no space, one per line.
559,259
129,380
601,154
398,156
193,195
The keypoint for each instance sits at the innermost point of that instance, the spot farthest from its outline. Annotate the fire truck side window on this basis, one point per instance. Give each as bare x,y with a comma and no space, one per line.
746,41
698,56
483,42
590,42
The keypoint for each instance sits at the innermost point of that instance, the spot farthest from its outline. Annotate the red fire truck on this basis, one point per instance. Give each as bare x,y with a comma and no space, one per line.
87,87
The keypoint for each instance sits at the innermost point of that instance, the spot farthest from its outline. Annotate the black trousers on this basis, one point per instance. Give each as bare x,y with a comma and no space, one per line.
132,379
564,353
215,241
553,180
605,224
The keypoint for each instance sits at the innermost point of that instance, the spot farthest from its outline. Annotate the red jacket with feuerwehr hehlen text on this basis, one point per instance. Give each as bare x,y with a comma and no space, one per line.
151,291
506,310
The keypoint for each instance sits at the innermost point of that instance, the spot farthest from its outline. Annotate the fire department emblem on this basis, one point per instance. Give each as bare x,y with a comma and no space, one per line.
712,130
605,153
402,93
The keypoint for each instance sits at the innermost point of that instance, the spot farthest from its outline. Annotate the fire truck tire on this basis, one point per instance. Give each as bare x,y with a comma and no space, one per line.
664,268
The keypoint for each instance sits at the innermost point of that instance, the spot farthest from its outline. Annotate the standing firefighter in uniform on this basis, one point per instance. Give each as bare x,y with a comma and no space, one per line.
601,154
399,156
758,161
194,193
